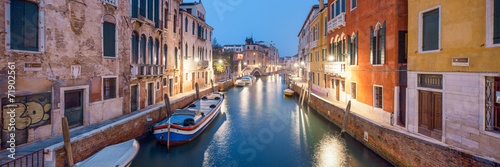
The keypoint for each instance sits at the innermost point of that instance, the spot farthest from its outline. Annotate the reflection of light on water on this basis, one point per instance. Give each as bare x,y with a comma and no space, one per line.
220,143
244,99
330,152
258,95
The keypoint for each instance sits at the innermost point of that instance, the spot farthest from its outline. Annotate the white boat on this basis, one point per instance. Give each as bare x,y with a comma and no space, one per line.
252,77
119,155
239,83
247,80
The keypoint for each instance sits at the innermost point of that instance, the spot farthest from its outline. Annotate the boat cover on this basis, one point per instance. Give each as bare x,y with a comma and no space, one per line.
116,155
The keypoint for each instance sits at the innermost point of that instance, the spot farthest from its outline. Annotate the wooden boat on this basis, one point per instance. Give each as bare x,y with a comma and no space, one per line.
288,92
186,124
119,155
239,83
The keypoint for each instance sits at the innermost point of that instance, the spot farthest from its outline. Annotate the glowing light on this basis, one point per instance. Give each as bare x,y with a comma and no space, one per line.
296,65
196,60
330,58
301,63
220,61
245,63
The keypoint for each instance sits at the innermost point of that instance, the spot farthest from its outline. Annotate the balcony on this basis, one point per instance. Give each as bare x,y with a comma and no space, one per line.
111,2
203,64
336,22
146,70
335,68
314,44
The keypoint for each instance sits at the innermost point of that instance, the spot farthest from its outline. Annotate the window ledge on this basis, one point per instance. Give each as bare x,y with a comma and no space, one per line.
377,65
492,45
354,8
428,51
107,57
492,134
24,51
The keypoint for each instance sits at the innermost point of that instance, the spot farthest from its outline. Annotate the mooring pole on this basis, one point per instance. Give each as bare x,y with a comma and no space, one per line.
212,81
169,114
197,91
346,114
67,141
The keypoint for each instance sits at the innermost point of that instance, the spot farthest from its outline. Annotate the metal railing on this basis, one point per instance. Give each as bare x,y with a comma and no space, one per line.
203,64
35,159
111,2
138,70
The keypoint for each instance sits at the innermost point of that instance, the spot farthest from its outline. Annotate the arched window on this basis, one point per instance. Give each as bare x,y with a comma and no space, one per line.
377,47
157,52
193,27
150,51
157,13
135,48
165,19
186,24
109,39
142,48
175,58
175,21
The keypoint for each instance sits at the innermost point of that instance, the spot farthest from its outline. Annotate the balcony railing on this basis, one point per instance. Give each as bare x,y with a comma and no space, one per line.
203,64
111,2
314,44
336,22
145,70
335,68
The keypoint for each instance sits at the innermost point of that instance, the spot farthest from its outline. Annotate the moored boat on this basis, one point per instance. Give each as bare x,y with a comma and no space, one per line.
288,92
239,83
247,80
186,124
119,155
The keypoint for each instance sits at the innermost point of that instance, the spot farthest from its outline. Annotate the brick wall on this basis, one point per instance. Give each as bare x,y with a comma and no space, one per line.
123,131
396,147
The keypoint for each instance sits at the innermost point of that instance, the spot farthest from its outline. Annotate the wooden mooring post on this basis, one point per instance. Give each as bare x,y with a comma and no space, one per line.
346,115
197,91
67,141
212,81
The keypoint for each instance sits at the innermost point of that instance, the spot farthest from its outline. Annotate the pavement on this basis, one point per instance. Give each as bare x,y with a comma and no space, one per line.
25,149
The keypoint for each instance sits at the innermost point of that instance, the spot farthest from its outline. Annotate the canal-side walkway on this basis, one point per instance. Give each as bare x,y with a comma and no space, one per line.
82,132
396,144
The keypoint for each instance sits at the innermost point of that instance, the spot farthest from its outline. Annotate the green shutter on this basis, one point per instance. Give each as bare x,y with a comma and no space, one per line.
109,39
335,51
343,50
371,45
356,49
349,50
382,45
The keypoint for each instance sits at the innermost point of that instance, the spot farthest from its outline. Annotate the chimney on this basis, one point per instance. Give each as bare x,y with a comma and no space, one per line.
321,4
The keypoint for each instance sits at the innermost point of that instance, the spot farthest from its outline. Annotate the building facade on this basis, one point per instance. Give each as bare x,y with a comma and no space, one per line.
318,50
305,40
454,80
367,47
67,64
196,47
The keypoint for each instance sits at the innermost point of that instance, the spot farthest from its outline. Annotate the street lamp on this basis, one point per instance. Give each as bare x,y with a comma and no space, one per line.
220,61
196,60
301,63
296,65
245,63
330,58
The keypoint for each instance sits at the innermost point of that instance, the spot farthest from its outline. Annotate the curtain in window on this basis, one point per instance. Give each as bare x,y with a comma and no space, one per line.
109,39
24,25
430,30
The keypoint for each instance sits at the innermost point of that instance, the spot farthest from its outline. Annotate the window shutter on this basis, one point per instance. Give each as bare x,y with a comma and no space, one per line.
343,50
109,39
382,45
335,51
349,49
371,45
356,49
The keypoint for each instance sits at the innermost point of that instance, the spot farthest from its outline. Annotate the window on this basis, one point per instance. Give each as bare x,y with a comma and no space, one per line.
323,55
377,46
354,4
156,53
109,88
377,96
150,9
142,8
186,24
157,13
175,58
193,27
135,8
337,8
492,104
109,39
165,19
430,21
186,54
325,26
142,48
150,51
175,21
430,81
187,76
318,78
165,55
353,90
164,82
353,49
135,51
316,56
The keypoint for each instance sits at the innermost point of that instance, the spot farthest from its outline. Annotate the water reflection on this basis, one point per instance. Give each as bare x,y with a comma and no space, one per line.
259,126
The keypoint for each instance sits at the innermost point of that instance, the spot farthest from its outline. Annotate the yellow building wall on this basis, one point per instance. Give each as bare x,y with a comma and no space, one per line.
463,34
322,43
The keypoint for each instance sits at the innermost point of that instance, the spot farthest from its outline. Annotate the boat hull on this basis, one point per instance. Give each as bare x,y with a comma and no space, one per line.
288,93
180,136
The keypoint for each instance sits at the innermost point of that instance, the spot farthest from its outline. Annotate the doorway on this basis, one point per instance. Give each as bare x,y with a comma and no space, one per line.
337,90
170,87
402,107
430,114
150,93
73,107
133,98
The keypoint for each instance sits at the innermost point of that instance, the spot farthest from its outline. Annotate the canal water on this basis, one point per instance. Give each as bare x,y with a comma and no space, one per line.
259,126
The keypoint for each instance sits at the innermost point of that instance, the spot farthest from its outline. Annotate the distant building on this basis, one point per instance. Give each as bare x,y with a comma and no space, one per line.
233,48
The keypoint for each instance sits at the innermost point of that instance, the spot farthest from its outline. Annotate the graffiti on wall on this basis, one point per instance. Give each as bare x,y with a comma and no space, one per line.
30,112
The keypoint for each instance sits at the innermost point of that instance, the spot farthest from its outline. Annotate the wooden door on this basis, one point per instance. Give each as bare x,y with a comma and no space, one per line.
73,107
170,87
430,114
133,98
402,106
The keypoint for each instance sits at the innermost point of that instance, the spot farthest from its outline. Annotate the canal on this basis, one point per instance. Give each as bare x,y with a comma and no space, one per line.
258,126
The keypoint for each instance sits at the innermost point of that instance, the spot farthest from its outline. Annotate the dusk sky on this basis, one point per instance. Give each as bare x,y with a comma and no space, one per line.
278,21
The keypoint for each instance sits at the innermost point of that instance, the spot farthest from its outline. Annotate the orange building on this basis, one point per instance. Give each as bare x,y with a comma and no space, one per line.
367,51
